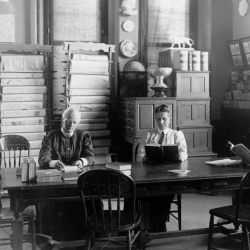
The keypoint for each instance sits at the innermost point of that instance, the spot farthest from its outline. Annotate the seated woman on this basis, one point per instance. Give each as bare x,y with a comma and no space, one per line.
65,146
160,205
68,145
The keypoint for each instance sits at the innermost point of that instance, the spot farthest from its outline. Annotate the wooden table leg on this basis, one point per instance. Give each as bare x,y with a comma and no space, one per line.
17,231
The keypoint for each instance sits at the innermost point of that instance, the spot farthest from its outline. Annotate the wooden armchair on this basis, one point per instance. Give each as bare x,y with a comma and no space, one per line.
238,214
11,149
96,185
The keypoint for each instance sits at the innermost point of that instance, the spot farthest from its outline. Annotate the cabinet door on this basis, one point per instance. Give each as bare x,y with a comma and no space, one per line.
199,139
193,113
144,114
192,84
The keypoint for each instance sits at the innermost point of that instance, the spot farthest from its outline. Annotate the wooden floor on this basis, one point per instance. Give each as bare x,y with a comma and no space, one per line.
195,214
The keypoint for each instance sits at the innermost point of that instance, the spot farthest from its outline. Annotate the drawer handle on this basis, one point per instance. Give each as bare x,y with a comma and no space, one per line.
220,184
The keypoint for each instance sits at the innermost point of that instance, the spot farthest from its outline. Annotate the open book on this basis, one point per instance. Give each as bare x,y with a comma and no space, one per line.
162,152
241,151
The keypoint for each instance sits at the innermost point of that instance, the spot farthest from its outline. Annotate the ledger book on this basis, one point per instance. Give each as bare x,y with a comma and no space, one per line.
162,152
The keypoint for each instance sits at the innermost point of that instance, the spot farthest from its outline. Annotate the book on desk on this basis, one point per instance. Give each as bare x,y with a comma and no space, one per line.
48,175
121,166
70,176
241,151
162,152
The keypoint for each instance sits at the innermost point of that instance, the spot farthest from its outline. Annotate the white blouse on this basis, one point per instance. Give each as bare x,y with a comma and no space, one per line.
171,137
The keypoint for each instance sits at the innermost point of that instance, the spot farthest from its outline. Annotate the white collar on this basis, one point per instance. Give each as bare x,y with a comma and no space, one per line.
165,131
68,135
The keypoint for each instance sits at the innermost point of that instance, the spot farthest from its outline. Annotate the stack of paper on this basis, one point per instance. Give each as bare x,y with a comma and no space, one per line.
224,162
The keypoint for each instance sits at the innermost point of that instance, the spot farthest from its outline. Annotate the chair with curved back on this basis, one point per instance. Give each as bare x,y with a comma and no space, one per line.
111,185
11,149
238,214
176,201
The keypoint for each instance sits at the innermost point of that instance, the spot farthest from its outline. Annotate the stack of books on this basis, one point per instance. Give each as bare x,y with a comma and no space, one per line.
123,167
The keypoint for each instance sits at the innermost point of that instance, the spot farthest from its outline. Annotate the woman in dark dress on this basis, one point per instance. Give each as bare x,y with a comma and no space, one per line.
72,147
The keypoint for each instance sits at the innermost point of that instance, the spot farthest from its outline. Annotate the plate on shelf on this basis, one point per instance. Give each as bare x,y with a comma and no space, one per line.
128,26
129,48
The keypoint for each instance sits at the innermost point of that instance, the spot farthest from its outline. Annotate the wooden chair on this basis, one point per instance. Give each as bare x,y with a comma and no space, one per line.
11,149
176,213
96,185
236,214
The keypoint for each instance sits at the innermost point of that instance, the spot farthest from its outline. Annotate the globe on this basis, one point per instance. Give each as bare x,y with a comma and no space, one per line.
134,71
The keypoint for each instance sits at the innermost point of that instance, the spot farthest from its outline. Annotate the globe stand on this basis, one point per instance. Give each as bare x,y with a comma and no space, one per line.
134,86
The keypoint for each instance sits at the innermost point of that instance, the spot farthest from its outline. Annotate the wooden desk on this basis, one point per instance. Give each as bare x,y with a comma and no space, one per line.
151,180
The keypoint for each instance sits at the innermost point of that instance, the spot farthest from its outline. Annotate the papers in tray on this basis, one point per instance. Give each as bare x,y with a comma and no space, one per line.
224,162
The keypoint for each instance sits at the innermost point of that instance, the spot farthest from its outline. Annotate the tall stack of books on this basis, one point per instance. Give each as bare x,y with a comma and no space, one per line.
123,167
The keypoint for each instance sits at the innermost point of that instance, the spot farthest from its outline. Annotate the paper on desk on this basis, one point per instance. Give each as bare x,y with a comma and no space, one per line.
224,162
178,171
68,169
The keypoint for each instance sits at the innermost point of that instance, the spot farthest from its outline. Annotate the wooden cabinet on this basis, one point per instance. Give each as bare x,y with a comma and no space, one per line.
191,89
136,116
25,103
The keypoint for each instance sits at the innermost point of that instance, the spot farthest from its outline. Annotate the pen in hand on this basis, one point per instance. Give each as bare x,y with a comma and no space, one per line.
59,165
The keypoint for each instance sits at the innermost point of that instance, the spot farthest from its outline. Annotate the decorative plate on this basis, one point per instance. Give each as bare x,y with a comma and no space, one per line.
128,26
129,48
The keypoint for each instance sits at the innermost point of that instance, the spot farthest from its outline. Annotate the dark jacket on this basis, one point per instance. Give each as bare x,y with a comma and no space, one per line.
70,149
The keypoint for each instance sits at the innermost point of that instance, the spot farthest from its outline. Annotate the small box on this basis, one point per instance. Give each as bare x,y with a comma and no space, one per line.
191,85
32,170
171,58
25,170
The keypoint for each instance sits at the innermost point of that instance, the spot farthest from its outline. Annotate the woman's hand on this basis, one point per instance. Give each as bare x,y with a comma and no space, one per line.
79,164
59,166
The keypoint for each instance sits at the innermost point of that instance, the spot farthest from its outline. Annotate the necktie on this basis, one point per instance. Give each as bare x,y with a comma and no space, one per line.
161,138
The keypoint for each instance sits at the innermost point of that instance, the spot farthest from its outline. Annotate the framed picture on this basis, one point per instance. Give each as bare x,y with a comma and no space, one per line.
236,54
245,45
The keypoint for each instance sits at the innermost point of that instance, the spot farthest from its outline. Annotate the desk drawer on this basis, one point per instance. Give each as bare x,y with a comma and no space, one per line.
219,184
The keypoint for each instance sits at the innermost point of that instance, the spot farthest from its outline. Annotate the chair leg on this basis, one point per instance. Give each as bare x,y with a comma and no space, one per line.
93,240
140,237
179,210
210,234
128,240
33,235
245,238
88,240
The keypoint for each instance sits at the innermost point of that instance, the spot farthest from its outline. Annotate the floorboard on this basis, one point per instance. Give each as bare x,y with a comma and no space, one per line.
195,214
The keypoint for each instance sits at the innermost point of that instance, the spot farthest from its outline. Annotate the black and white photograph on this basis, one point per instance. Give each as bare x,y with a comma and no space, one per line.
232,49
124,124
246,47
240,63
237,49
